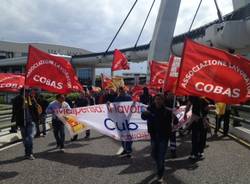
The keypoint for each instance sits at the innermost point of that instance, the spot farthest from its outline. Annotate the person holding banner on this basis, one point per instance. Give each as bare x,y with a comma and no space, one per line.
126,145
82,101
57,124
159,119
24,112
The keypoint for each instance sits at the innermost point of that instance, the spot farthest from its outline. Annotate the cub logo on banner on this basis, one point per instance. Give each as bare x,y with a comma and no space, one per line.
214,74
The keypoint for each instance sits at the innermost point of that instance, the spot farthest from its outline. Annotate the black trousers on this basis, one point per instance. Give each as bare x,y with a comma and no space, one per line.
226,122
199,136
159,147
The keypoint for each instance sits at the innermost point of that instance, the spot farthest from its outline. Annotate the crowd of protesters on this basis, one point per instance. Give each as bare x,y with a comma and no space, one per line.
30,109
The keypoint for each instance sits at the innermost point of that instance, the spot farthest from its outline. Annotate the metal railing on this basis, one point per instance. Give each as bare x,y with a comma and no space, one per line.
5,119
241,113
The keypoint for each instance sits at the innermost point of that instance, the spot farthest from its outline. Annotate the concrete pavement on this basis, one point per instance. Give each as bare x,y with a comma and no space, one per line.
94,161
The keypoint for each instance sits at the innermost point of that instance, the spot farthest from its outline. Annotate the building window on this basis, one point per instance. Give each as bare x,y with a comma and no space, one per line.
23,54
85,75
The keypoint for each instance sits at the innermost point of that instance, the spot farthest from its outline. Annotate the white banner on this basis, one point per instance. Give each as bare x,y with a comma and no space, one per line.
121,120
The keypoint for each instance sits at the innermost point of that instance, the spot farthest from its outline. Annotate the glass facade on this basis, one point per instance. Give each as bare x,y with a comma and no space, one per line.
85,75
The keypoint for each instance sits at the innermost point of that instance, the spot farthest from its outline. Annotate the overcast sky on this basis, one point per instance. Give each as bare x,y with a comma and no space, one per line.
91,24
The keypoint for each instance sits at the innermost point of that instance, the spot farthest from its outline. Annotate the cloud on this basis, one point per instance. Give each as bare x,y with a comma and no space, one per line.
92,24
207,13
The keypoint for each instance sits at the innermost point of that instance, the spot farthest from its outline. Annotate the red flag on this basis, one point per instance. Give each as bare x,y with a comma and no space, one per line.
11,82
137,91
50,73
120,61
106,82
213,73
172,74
158,71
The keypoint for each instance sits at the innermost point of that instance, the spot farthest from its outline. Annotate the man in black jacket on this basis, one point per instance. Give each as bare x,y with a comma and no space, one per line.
159,121
24,112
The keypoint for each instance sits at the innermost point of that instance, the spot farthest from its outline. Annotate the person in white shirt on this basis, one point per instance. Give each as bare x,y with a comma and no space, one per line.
57,124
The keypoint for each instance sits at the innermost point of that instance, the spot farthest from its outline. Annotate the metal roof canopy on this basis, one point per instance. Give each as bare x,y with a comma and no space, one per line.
140,53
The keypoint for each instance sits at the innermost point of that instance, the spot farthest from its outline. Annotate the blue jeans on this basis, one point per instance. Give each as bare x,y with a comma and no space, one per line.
159,148
58,130
28,132
127,146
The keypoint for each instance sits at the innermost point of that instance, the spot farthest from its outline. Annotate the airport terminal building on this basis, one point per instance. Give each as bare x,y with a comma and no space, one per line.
13,56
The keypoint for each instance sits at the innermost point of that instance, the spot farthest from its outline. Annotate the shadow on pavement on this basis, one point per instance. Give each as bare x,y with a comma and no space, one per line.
68,142
219,138
84,160
91,138
7,175
15,160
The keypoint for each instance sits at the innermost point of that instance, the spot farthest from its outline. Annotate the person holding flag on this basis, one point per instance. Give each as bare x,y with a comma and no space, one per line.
24,113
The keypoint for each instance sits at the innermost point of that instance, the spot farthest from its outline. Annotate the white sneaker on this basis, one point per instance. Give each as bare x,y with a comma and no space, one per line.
160,180
192,157
120,151
30,157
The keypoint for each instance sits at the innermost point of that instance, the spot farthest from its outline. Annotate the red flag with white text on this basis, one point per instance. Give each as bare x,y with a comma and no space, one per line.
137,91
51,73
213,73
158,71
172,74
10,82
120,61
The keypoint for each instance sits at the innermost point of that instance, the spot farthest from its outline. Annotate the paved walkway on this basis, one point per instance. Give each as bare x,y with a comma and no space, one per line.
93,161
